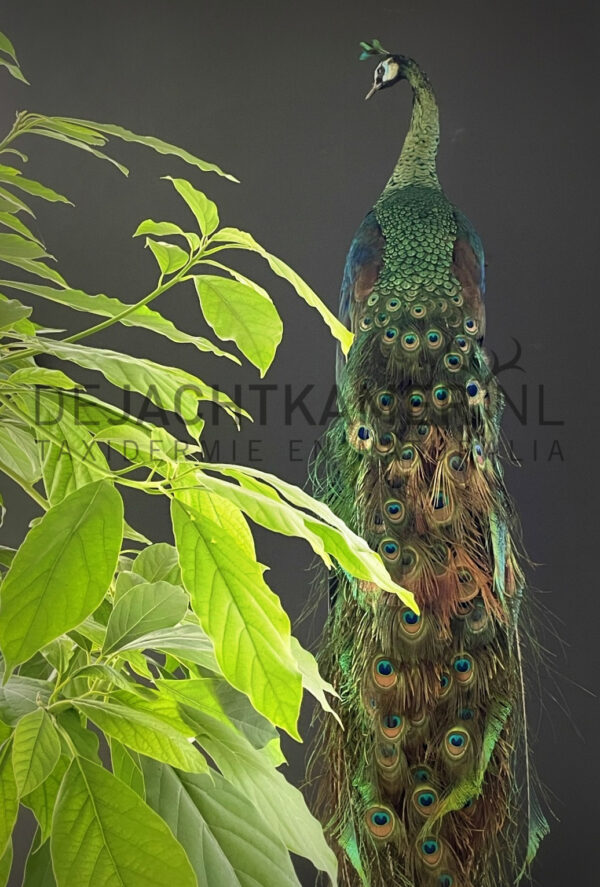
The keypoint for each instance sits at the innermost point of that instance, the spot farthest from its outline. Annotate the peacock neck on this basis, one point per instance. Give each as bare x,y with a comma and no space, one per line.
416,164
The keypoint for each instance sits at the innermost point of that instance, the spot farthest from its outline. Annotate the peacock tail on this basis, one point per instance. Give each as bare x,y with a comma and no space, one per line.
427,783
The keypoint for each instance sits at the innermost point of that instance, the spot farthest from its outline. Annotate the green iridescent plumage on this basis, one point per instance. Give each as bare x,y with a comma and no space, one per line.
428,783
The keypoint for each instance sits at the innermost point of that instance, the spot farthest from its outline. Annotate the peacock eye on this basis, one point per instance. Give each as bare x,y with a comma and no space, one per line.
472,388
421,774
392,304
453,362
366,323
395,510
380,822
434,339
466,714
386,401
423,430
462,344
430,847
407,454
410,341
390,334
463,667
363,432
392,722
381,318
418,310
445,880
389,549
457,742
385,667
410,617
471,325
441,396
373,299
425,799
456,462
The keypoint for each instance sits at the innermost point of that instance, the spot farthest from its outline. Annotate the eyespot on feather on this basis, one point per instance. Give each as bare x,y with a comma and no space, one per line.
380,821
392,725
425,800
431,851
456,742
464,668
384,673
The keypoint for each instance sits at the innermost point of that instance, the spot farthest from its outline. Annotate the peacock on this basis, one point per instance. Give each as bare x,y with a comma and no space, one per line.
427,782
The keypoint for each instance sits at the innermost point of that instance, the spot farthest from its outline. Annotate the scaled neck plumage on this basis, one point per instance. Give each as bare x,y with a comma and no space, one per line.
417,162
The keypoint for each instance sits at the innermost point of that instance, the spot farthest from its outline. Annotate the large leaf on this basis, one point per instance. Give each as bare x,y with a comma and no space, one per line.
38,870
158,561
151,142
204,209
13,177
222,701
170,258
240,613
126,766
61,571
41,801
6,861
259,498
144,733
11,311
9,803
224,836
36,750
20,695
311,677
242,240
19,453
107,306
168,387
145,607
280,804
240,313
104,834
187,642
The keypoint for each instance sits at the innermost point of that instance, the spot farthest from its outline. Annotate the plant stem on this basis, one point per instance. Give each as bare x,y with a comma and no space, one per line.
29,488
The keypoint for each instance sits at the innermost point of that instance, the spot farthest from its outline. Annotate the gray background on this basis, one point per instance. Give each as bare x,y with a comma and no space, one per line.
273,92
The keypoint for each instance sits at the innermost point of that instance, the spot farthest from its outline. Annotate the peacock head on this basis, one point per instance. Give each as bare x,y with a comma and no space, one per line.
389,70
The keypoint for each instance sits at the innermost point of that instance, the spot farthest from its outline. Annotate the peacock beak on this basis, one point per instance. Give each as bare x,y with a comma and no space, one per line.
372,91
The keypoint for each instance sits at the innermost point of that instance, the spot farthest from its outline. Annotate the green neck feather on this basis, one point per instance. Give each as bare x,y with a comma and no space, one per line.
416,164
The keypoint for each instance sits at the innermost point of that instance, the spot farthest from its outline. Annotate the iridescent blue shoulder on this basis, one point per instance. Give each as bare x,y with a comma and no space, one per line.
362,267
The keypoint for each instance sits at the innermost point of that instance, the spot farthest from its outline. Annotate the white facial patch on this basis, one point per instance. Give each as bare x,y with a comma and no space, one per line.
391,70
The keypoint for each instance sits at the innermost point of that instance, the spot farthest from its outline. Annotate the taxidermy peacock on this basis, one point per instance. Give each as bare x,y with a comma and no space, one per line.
428,782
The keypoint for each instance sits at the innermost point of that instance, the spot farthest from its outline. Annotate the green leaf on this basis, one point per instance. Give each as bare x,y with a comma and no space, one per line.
13,245
126,766
104,834
170,257
280,804
187,642
61,571
35,375
20,695
34,266
71,459
144,608
12,311
168,387
9,220
106,306
9,803
19,452
51,131
243,240
222,701
237,312
38,870
164,229
145,733
204,209
223,835
6,864
14,70
31,187
85,740
7,47
36,750
41,801
352,552
240,613
151,142
12,204
311,677
158,561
